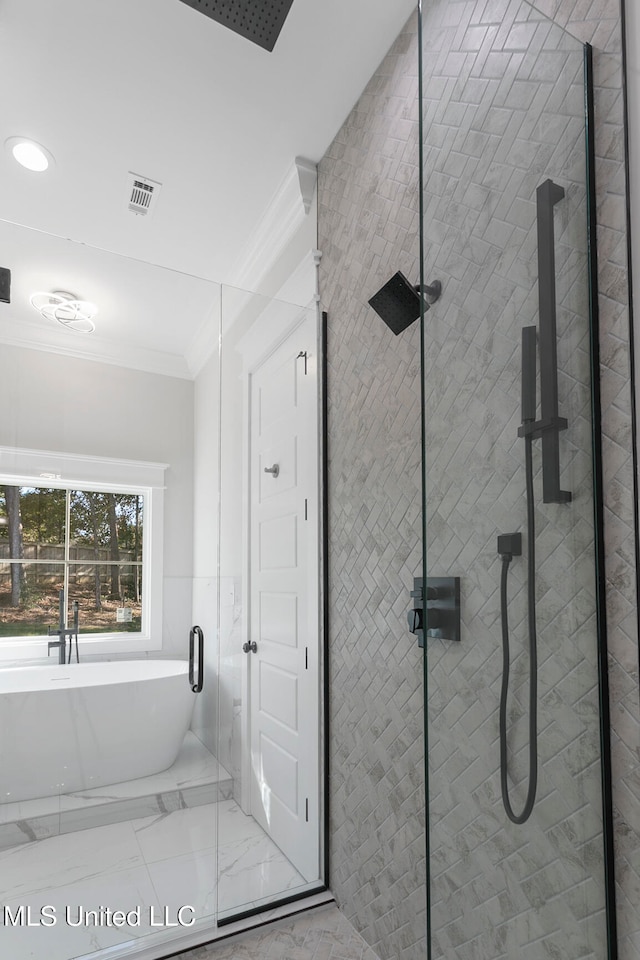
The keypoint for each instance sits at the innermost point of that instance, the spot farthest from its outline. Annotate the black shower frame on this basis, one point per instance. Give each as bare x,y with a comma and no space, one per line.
598,508
323,885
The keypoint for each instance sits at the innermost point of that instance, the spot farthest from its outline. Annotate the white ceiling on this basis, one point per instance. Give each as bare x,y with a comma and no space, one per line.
155,87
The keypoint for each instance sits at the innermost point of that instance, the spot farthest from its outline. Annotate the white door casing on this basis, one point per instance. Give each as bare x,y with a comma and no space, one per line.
283,672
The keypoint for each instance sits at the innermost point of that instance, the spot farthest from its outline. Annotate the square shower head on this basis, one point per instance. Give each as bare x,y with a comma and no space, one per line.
258,20
398,303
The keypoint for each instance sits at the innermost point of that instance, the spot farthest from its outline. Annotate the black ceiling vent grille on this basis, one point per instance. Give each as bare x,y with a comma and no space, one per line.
258,20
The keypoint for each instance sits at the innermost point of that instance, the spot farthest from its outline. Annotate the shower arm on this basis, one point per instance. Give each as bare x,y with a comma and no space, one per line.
431,290
550,423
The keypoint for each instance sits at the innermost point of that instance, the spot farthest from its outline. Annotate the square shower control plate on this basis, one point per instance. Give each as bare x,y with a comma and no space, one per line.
439,609
442,613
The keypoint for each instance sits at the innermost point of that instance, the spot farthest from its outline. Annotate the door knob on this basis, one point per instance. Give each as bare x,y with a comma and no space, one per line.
250,647
274,470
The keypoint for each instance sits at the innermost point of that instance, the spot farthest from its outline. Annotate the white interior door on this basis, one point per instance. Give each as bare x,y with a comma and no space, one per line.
283,620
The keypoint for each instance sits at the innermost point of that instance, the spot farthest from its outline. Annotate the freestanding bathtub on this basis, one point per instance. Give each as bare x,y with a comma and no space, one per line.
72,727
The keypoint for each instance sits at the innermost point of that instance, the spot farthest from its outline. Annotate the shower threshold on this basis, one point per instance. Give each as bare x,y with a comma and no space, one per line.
196,778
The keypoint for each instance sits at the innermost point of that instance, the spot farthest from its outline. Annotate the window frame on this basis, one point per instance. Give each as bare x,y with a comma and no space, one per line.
63,471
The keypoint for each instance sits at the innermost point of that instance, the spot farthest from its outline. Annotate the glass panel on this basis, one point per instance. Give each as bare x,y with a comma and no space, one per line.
129,763
39,518
109,596
29,598
111,522
177,781
504,187
269,670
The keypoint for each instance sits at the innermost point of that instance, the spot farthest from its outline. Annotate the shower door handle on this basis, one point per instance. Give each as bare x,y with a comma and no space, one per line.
196,632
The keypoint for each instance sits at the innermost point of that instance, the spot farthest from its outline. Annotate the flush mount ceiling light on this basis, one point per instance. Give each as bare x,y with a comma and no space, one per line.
65,308
29,154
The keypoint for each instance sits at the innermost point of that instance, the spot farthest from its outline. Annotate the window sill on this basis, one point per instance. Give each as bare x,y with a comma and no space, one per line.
20,650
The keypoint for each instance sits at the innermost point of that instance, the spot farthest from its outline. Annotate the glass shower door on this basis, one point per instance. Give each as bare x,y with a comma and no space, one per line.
508,447
108,792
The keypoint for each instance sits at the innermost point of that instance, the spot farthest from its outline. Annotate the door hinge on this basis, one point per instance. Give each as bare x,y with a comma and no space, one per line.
306,658
306,811
306,511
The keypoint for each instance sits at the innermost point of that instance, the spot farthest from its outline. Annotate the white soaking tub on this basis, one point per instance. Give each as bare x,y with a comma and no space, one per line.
71,727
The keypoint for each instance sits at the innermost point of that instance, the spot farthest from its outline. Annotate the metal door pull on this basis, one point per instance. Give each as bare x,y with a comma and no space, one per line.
250,647
196,632
274,470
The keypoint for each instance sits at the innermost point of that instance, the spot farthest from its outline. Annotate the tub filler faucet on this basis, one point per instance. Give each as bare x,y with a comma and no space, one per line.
63,632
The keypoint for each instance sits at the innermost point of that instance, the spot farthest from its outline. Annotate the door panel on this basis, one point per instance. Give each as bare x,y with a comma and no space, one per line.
284,754
278,695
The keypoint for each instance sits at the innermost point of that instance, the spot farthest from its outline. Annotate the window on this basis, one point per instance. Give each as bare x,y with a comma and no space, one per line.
86,543
91,527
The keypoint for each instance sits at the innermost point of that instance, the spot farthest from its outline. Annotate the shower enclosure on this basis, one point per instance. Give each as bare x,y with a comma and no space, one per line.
506,208
221,456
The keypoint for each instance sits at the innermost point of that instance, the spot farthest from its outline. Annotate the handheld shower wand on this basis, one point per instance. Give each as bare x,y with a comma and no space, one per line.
548,429
509,546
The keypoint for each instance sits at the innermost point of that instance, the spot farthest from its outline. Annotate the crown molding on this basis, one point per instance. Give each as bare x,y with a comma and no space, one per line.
100,350
282,218
307,180
278,225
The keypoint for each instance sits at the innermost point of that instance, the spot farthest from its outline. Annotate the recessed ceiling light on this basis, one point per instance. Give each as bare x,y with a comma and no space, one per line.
30,154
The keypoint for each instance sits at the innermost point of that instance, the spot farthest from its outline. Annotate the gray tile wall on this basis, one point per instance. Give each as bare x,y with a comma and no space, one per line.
368,229
368,214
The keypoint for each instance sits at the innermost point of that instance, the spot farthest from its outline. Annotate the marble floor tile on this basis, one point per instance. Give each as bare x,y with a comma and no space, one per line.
253,871
195,778
45,865
234,825
124,890
165,861
187,880
29,809
176,834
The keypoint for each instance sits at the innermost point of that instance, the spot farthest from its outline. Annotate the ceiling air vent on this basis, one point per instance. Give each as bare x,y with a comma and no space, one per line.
142,194
258,20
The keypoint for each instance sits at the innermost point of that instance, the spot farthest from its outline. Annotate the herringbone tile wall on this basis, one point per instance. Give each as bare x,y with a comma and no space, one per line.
503,111
368,229
368,214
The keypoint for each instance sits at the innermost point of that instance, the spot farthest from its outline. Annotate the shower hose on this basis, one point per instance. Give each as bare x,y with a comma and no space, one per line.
533,657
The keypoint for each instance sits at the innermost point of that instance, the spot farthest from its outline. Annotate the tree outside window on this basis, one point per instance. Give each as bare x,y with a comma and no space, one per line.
87,542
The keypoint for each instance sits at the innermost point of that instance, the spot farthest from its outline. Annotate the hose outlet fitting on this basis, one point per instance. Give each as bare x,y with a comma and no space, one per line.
510,545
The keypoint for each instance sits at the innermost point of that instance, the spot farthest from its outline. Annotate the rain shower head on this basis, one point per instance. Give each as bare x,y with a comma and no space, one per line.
398,302
258,20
